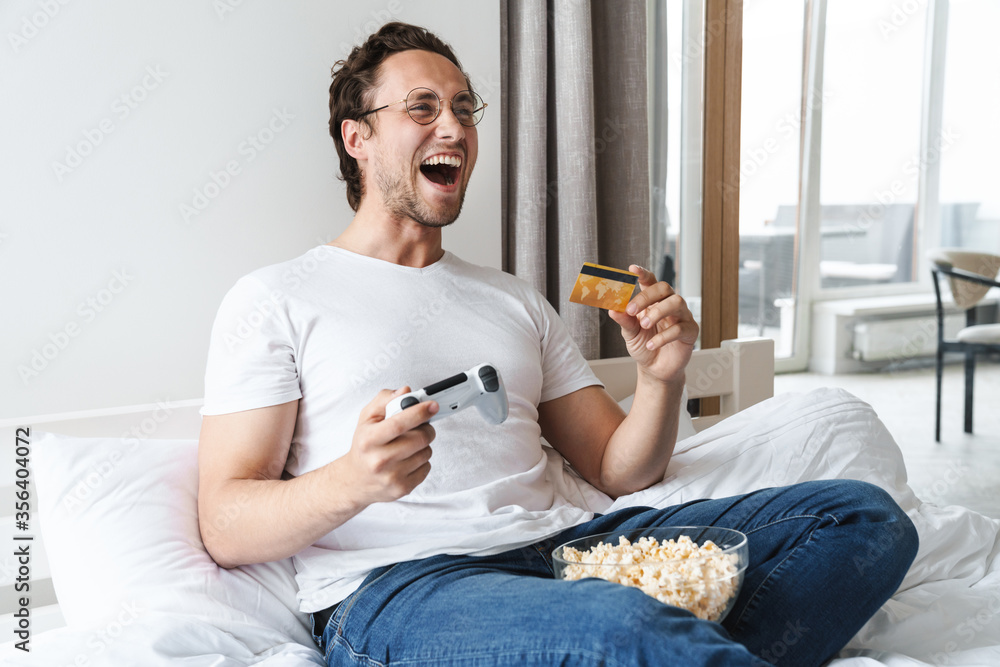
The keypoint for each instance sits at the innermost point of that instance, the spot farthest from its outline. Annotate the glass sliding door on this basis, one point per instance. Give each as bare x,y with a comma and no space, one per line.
873,79
968,142
677,40
773,109
866,139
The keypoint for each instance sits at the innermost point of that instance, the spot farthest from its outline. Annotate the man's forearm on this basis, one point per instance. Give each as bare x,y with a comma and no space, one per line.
638,452
261,520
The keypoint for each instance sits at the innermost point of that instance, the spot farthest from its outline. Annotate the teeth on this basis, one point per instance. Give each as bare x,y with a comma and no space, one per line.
450,160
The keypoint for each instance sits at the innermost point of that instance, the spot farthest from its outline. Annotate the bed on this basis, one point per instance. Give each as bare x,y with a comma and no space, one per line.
117,529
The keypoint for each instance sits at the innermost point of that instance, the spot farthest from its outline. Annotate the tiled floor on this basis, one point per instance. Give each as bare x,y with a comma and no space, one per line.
962,469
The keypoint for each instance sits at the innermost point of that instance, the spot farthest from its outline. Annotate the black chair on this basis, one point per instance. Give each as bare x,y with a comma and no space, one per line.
968,285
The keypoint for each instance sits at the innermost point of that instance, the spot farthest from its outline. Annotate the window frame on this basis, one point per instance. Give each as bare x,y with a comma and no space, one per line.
927,213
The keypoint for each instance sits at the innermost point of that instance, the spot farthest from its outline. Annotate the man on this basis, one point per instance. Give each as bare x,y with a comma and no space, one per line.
445,559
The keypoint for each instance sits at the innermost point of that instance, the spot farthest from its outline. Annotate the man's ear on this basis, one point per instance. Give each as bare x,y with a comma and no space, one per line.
355,139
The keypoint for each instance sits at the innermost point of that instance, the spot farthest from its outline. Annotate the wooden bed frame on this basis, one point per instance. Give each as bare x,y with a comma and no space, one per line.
740,373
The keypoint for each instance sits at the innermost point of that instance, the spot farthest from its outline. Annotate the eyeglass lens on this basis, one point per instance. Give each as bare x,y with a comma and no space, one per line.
423,105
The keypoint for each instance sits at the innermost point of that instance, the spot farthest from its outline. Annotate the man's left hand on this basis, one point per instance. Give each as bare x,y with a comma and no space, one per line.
658,328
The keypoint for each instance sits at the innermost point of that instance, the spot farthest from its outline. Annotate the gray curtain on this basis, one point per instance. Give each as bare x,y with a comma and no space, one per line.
575,165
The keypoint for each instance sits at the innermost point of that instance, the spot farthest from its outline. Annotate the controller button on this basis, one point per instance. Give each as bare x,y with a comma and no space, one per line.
407,402
489,377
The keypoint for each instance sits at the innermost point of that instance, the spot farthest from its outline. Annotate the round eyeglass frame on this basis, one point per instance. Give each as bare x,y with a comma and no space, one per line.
477,113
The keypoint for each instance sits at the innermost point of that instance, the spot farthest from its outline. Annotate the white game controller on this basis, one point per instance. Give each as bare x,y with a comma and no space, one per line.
480,386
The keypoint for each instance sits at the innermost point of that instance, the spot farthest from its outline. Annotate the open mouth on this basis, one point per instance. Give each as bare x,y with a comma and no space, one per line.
442,169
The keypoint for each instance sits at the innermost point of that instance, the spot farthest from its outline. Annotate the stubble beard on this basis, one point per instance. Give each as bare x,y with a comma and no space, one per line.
401,199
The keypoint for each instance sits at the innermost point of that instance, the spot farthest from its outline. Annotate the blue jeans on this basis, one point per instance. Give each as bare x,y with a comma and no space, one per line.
824,556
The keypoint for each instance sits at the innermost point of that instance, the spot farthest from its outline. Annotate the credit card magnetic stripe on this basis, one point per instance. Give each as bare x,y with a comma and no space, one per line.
599,271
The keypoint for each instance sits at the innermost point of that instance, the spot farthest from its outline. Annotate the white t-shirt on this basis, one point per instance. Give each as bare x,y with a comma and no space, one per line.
332,328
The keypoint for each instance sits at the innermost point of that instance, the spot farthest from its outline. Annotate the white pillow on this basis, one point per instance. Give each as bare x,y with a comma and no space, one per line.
120,522
685,426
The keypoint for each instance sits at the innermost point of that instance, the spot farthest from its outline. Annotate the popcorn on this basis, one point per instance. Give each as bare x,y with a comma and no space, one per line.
679,573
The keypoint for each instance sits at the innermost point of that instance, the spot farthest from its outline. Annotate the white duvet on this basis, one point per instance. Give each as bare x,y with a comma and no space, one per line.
947,611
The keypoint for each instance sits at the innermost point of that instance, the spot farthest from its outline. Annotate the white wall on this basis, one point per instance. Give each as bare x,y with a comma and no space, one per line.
114,114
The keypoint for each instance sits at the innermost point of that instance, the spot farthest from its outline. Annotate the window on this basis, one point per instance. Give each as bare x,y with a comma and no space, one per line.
866,140
896,137
968,141
770,131
871,117
677,72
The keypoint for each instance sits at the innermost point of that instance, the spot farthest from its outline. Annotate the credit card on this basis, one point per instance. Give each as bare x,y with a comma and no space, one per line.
604,287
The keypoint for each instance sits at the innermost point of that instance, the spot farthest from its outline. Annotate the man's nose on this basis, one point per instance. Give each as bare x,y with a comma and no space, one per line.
447,125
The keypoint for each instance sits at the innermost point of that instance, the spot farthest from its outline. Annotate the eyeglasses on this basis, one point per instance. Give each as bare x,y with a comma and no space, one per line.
423,106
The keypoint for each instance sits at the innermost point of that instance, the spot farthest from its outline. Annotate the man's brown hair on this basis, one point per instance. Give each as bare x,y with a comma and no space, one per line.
354,82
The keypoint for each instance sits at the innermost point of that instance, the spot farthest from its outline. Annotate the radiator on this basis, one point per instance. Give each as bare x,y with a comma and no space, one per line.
901,339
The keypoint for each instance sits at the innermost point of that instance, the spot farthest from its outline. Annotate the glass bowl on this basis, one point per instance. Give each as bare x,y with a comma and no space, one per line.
690,575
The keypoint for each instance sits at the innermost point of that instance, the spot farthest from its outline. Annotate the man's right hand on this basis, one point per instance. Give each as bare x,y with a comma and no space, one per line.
389,457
